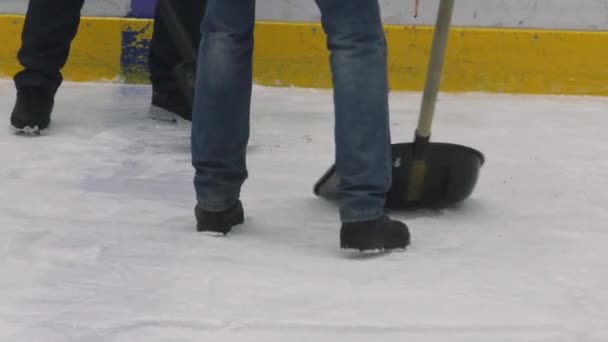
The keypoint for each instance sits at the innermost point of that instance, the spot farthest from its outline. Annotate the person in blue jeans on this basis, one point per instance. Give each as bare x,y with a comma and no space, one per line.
221,114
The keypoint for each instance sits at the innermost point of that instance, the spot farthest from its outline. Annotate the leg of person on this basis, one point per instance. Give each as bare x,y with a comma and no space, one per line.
164,58
50,27
362,134
220,121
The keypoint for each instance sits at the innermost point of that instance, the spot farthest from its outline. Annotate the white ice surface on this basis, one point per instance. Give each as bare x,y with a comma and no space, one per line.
97,239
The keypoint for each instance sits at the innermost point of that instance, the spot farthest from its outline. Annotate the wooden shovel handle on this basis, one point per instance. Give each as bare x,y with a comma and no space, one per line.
433,78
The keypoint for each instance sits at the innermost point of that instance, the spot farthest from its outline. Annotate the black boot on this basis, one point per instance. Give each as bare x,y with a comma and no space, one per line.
32,112
219,222
379,235
169,103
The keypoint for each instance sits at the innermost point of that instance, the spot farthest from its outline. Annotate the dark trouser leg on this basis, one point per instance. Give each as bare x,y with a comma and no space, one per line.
50,27
164,54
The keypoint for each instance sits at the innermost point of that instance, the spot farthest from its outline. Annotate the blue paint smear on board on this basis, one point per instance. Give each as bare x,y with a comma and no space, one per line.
134,58
142,9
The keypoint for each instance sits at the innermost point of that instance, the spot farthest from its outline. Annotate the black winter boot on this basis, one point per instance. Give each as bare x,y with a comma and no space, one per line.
32,111
378,235
168,104
219,222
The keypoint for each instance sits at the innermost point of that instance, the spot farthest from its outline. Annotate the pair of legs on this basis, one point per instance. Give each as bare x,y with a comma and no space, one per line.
220,125
50,27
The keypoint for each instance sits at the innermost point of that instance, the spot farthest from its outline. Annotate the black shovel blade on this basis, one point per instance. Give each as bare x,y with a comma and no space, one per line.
450,177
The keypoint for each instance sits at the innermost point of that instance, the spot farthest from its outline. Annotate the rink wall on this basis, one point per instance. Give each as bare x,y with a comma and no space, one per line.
556,47
553,14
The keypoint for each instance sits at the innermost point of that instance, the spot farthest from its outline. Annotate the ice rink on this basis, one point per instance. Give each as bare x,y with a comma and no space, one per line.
98,241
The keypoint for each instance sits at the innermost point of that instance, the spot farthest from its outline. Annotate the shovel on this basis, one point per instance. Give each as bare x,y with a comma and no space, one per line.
425,174
184,72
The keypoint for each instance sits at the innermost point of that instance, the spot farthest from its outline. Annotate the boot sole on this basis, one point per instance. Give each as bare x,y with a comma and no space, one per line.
223,230
161,114
29,131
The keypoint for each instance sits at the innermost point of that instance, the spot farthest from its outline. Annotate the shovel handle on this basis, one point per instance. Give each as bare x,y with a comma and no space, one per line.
433,78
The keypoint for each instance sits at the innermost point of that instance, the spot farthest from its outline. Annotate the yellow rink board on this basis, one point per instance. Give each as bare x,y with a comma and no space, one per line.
295,54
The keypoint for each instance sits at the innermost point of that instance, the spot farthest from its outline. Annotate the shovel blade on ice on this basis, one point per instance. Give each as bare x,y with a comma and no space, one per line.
446,176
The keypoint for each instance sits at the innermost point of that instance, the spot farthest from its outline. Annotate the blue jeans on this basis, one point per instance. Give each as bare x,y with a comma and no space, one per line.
220,124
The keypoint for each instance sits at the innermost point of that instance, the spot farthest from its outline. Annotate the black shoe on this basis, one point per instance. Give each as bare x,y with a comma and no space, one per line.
379,235
32,111
219,222
169,103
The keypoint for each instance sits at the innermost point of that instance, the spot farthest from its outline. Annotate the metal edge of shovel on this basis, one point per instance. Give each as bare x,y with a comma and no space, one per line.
425,174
